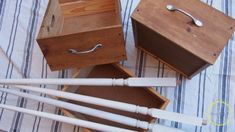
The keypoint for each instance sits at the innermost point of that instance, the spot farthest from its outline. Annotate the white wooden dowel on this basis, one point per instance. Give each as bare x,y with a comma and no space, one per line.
156,113
177,117
85,110
132,82
78,122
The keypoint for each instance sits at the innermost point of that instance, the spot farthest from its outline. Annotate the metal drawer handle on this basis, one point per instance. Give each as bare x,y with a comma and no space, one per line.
73,51
195,21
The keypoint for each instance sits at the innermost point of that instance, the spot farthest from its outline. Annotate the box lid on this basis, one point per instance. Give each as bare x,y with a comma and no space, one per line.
206,41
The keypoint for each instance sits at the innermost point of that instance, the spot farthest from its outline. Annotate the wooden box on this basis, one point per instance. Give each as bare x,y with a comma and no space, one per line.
139,96
81,33
175,39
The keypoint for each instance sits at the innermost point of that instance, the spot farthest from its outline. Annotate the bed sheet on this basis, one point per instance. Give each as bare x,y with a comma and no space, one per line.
210,94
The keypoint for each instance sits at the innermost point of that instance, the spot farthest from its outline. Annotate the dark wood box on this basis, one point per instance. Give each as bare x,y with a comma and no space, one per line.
173,38
80,25
139,96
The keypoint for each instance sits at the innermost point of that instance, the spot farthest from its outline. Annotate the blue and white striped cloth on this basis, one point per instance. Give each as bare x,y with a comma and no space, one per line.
210,94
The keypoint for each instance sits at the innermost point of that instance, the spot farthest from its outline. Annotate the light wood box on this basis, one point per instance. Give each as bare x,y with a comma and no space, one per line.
172,37
81,25
139,96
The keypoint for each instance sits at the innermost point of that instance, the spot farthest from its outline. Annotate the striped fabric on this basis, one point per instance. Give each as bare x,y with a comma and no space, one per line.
210,94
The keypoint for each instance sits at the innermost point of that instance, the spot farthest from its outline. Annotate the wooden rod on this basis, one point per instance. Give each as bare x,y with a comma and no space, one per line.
132,82
156,113
78,122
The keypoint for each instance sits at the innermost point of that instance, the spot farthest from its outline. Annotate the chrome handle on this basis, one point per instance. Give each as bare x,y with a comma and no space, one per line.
73,51
195,21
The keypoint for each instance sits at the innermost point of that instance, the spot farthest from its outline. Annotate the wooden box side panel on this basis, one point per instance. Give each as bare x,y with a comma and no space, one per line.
53,20
170,53
88,15
87,7
56,49
138,96
73,16
80,24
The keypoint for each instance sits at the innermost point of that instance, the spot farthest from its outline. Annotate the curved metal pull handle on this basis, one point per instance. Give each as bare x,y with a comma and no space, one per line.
73,51
195,21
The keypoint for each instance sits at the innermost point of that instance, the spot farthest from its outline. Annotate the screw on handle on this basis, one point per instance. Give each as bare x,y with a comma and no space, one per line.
73,51
195,21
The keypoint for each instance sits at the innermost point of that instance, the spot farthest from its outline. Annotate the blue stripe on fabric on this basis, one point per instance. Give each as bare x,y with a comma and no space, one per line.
203,97
40,106
56,126
179,92
30,39
225,81
198,98
2,11
124,14
10,47
22,101
127,22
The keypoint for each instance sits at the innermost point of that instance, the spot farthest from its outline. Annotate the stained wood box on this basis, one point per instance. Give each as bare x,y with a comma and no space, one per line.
172,37
139,96
81,33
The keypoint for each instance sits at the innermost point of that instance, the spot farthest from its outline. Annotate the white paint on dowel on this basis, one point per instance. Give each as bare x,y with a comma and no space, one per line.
96,113
157,113
78,122
85,110
132,82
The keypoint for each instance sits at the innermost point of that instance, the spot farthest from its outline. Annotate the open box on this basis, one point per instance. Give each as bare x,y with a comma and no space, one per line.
139,96
81,33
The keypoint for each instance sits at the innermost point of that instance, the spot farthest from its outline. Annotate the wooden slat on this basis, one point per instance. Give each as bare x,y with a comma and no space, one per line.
87,23
66,1
87,7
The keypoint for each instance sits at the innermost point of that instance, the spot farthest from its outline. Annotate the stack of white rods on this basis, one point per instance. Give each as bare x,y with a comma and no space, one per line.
156,113
78,122
132,82
96,113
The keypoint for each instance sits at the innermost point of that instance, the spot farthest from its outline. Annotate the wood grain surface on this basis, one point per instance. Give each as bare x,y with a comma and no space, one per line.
87,7
85,24
205,42
172,36
56,49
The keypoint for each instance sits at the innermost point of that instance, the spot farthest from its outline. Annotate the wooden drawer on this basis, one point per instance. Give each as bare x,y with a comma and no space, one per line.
175,39
58,56
77,33
139,96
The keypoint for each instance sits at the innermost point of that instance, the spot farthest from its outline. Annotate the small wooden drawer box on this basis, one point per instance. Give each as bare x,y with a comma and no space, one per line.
139,96
188,35
80,33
